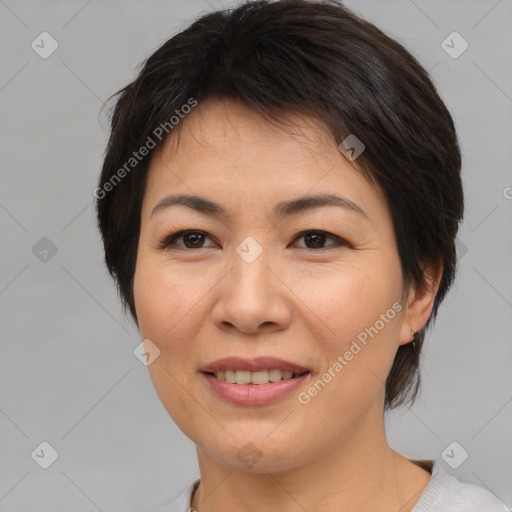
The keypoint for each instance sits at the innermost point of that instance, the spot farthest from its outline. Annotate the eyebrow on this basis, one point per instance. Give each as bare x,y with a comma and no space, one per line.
282,209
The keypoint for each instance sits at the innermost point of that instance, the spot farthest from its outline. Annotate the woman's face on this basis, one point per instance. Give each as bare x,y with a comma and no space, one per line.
250,286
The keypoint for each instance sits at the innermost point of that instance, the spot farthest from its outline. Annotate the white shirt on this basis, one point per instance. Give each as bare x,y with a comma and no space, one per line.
444,493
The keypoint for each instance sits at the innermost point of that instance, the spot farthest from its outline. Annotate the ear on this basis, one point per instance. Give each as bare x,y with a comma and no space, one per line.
420,302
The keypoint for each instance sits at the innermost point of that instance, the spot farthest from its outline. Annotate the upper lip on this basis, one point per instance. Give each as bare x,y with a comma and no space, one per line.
254,365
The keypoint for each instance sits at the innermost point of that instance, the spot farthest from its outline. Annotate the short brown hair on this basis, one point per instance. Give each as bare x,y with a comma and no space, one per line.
311,57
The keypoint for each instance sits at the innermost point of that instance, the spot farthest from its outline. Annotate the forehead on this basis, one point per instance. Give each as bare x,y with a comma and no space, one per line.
221,126
232,152
235,135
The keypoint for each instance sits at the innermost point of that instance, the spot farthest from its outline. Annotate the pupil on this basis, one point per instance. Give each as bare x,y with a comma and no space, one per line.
193,242
316,238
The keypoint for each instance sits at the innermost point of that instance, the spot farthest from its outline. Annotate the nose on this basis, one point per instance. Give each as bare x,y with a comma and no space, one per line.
252,297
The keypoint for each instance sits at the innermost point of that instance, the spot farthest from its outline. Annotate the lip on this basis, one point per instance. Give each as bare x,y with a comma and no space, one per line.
254,365
254,394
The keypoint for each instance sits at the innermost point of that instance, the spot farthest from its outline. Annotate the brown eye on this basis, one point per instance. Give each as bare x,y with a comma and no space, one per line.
317,239
195,239
191,240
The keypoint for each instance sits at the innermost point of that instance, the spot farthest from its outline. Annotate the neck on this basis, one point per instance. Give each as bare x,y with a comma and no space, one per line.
357,472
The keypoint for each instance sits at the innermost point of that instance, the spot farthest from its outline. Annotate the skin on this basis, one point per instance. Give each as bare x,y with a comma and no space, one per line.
295,301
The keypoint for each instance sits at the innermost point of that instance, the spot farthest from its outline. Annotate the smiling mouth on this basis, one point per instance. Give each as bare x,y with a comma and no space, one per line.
245,377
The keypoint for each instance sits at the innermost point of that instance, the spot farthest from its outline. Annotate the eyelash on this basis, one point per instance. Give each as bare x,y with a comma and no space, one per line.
168,241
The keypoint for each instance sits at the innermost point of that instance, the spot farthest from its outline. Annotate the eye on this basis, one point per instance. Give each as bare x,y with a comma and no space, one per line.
194,239
317,239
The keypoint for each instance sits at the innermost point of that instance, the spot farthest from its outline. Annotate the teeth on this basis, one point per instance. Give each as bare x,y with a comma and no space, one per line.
242,377
260,377
275,375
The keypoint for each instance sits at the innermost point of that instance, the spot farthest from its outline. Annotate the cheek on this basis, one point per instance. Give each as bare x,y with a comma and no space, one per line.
161,300
162,303
353,299
361,308
365,317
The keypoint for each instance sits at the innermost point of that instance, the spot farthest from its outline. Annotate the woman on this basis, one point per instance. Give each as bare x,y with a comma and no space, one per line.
279,203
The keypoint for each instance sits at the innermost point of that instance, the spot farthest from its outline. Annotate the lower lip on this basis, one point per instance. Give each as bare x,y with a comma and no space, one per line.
254,394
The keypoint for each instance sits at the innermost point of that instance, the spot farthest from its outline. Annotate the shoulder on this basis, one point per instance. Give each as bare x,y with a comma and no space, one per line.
445,493
182,502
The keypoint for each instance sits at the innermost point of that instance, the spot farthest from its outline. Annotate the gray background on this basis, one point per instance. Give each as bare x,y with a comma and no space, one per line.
68,374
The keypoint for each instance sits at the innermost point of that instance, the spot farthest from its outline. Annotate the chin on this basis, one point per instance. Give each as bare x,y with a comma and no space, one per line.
257,456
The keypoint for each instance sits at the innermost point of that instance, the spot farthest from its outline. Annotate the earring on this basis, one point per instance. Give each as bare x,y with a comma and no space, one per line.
412,334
